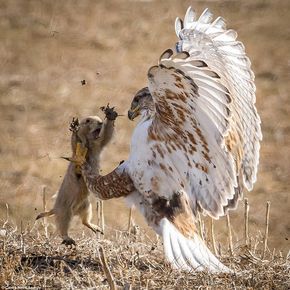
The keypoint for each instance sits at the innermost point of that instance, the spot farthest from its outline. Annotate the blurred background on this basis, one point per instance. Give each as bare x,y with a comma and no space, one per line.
49,47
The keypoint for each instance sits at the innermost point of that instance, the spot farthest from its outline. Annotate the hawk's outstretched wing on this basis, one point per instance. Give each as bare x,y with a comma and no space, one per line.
210,41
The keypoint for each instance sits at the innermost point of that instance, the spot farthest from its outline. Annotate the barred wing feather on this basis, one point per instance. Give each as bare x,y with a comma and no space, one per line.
191,121
211,42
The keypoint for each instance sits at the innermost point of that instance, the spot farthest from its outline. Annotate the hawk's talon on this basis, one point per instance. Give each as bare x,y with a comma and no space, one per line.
80,155
79,158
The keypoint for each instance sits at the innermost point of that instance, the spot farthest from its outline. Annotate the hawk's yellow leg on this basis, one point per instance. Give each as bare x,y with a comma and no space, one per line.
79,157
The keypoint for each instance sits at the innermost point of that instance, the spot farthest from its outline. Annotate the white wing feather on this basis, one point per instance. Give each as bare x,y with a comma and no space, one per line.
211,42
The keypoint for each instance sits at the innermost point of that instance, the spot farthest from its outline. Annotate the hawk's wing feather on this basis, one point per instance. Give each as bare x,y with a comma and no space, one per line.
215,94
218,47
197,106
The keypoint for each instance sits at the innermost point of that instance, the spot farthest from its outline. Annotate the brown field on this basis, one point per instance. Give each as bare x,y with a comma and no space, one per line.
29,259
49,47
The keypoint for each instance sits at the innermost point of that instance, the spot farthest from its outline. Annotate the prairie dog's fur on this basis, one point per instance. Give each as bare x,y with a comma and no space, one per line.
73,195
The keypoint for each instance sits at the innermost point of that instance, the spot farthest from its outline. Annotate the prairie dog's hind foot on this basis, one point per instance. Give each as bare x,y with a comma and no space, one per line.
93,227
68,242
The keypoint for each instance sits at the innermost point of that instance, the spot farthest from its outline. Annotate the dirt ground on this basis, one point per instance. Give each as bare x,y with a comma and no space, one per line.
49,47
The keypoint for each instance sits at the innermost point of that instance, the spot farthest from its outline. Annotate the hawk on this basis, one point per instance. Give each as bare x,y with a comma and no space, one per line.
196,145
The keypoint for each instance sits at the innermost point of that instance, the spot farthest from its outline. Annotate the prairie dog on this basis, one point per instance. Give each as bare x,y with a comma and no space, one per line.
73,196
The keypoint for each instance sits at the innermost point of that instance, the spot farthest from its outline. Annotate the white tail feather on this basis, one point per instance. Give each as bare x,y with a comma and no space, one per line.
188,254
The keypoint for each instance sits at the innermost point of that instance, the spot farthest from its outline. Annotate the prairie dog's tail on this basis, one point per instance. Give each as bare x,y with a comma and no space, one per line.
45,214
188,254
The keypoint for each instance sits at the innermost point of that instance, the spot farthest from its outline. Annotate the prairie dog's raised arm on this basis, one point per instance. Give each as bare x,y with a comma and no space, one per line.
109,124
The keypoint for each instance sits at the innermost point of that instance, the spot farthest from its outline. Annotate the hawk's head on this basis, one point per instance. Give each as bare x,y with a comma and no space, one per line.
142,104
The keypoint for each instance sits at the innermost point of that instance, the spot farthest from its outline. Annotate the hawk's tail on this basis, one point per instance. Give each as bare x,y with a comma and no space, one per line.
188,254
45,214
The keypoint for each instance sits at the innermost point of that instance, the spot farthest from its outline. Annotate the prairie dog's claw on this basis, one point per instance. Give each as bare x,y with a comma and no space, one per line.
110,112
74,125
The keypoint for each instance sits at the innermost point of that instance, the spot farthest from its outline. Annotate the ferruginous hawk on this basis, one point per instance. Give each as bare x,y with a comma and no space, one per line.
196,146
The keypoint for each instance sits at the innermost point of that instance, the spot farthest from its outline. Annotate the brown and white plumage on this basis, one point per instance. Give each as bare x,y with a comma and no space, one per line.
226,56
197,143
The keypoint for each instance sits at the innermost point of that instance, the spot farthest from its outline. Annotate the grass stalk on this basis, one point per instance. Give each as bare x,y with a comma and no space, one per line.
230,234
200,227
107,270
246,227
213,236
102,216
7,215
22,242
99,217
266,229
44,210
130,220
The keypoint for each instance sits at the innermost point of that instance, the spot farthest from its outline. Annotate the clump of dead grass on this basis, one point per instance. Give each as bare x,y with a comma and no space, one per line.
130,260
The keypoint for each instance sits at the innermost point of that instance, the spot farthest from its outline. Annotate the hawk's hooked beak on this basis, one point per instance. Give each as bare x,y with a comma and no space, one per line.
133,113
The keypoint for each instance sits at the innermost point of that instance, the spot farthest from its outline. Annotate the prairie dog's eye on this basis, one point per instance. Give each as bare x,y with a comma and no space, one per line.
88,121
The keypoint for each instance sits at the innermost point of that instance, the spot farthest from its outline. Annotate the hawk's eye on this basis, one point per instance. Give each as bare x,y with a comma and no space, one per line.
137,98
135,103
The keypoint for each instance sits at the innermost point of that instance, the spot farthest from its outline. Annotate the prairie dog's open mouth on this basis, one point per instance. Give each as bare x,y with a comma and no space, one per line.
96,133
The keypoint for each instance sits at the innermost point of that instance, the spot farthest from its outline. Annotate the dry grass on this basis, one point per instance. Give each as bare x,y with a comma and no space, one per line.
48,47
122,260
